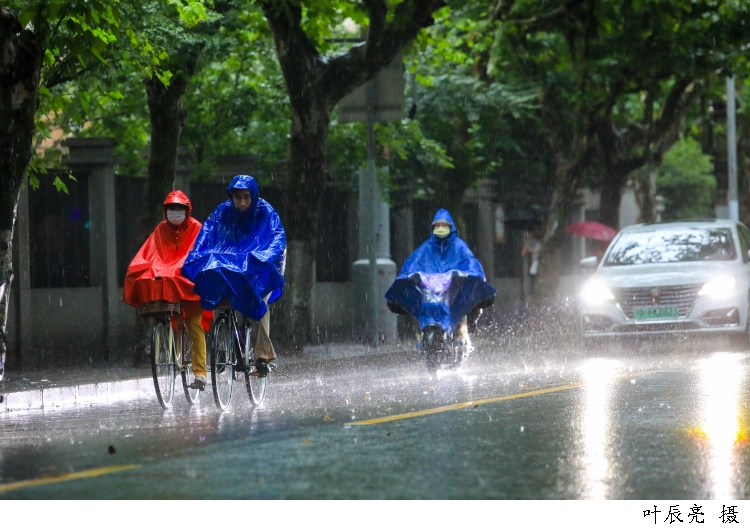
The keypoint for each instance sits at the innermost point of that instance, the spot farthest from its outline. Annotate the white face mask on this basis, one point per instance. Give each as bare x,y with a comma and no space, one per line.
176,217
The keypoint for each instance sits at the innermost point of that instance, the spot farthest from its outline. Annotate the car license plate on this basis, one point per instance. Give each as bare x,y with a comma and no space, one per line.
650,313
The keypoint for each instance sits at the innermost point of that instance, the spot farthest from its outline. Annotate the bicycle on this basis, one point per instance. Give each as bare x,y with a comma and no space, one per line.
228,338
164,359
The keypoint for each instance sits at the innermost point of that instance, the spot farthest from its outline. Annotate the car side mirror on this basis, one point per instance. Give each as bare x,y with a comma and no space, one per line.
589,263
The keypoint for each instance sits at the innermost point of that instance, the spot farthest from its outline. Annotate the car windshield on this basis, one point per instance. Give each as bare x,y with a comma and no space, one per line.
671,245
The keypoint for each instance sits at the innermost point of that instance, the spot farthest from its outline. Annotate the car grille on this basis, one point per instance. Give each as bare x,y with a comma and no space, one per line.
678,296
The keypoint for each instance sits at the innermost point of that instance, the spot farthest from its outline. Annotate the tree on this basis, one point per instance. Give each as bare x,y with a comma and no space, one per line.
315,83
587,64
183,42
235,102
628,142
42,45
469,130
686,181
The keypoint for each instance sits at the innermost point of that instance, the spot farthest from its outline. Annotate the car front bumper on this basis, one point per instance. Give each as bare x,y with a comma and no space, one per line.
705,315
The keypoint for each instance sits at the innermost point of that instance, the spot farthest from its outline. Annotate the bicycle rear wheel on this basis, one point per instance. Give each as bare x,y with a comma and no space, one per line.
256,386
162,362
222,357
188,377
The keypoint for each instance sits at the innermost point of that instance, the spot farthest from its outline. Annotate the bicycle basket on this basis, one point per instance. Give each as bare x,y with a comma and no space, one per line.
158,308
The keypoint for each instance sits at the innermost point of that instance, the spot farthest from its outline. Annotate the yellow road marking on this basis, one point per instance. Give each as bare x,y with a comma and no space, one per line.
89,473
458,406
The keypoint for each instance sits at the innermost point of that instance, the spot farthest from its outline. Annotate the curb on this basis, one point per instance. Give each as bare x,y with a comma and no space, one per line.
49,398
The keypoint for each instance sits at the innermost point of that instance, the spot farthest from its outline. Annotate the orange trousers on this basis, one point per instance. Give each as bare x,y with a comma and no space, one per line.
194,312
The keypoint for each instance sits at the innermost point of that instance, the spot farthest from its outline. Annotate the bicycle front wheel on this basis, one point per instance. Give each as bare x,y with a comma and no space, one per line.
188,377
162,362
222,366
256,386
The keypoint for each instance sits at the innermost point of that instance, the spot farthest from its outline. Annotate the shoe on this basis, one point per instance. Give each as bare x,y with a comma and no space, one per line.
198,384
261,367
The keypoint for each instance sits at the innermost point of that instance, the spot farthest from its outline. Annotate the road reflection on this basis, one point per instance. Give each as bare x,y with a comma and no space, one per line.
720,386
596,427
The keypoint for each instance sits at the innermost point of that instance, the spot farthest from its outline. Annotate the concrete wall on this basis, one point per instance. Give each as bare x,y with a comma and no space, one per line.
65,323
333,310
125,332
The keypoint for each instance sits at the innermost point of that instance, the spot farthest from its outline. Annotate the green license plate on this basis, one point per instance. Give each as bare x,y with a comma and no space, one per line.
649,313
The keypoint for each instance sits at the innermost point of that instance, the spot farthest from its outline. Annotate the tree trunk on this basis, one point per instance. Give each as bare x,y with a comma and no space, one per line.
303,192
645,195
315,84
20,66
167,120
611,197
565,187
569,158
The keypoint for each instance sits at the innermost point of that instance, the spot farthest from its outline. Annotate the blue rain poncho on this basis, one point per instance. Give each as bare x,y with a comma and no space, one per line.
441,281
239,255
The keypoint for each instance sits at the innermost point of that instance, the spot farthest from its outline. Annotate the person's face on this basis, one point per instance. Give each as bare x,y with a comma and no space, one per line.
242,199
176,219
441,224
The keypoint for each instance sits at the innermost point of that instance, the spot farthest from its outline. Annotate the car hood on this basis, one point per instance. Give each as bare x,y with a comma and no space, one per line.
666,274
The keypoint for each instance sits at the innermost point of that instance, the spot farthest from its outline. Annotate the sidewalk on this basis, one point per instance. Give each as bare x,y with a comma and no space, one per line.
56,387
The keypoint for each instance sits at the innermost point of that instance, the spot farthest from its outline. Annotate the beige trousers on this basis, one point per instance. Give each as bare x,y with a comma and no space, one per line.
262,339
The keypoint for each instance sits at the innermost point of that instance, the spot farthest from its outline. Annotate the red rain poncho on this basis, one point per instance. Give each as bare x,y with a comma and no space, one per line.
162,255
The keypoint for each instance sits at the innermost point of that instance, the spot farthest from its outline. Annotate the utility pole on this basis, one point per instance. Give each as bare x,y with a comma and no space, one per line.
381,99
371,220
734,205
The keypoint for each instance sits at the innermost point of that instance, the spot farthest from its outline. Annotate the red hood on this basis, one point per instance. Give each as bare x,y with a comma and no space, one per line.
178,197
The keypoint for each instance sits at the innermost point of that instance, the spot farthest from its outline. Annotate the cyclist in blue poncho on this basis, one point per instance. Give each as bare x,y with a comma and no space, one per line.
443,254
240,254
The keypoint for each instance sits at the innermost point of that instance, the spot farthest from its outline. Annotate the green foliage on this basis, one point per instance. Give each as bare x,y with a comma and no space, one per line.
237,101
470,130
685,179
86,44
464,128
158,36
74,36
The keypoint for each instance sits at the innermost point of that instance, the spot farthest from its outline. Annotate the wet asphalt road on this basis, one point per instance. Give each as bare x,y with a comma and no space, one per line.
661,420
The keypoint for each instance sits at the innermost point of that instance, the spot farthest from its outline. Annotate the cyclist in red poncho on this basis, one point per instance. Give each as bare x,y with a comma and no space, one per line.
161,257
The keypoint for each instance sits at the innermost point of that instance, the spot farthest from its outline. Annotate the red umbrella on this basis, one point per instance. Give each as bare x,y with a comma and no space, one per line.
592,230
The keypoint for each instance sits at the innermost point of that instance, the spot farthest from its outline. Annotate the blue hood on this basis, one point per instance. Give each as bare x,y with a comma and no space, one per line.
239,256
441,255
443,215
245,182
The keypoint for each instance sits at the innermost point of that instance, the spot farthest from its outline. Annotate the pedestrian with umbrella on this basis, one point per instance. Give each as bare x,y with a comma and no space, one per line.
601,234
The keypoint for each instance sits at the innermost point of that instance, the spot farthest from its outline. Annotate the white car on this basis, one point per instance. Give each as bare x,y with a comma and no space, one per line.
677,277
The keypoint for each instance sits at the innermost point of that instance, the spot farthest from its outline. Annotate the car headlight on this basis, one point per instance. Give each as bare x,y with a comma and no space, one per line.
721,287
595,291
